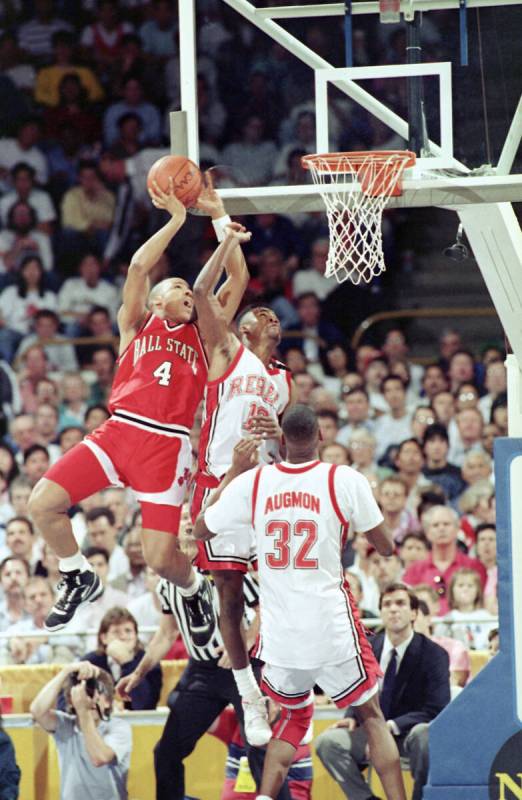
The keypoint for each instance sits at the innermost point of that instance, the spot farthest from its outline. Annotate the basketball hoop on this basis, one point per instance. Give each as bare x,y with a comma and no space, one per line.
356,188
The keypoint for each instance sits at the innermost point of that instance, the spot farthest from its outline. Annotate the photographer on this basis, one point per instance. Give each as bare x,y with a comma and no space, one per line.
94,750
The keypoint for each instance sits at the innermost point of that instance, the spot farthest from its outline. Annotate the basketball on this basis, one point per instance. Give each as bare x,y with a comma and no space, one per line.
185,175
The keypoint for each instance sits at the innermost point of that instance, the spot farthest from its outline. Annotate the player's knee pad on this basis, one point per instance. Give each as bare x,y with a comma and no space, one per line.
294,723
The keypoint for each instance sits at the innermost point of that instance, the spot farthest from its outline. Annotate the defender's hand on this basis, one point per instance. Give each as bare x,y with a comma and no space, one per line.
209,201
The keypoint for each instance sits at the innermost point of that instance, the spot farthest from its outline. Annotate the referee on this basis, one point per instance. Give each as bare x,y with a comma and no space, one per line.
203,691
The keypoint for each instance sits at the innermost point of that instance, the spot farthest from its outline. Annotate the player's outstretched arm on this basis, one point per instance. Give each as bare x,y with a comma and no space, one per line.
233,289
136,287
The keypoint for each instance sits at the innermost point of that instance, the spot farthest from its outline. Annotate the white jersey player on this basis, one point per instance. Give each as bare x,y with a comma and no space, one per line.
301,511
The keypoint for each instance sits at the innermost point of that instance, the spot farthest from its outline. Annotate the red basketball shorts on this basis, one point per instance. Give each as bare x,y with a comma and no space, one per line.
154,465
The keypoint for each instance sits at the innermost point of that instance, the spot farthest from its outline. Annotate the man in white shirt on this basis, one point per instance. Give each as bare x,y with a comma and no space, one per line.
78,295
102,532
414,689
24,149
14,574
22,176
395,426
357,406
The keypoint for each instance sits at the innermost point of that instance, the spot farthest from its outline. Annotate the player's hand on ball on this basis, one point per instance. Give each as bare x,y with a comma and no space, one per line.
246,454
266,427
167,200
237,231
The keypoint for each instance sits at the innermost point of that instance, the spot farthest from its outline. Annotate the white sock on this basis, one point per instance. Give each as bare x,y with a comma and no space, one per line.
247,684
263,797
77,561
194,585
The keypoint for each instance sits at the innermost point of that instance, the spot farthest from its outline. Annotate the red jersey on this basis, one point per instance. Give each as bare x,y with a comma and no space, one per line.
161,375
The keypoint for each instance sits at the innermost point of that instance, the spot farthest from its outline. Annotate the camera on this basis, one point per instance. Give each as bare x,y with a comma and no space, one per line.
91,684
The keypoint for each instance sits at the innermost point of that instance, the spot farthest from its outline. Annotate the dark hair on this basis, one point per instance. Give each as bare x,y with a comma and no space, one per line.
493,633
98,513
20,279
432,495
104,348
25,520
87,163
500,401
12,211
7,559
434,366
300,424
392,377
70,428
102,683
99,310
98,407
13,471
411,440
247,309
462,352
422,606
129,115
22,166
484,526
82,93
306,296
327,414
419,537
434,431
89,552
355,390
62,37
115,616
45,313
35,448
398,586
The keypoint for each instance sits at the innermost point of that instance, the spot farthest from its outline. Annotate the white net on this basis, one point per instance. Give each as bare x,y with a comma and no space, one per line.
356,188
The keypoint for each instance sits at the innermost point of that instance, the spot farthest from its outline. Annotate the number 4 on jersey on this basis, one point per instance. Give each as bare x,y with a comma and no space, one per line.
163,373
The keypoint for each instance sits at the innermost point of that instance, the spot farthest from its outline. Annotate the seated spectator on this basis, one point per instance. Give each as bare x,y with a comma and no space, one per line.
273,231
105,765
468,435
14,574
97,324
102,40
8,465
394,426
47,88
74,396
335,453
133,583
466,602
335,368
22,176
477,466
305,384
486,550
357,593
459,658
466,396
489,434
21,238
78,295
20,540
39,598
313,279
434,381
104,365
477,504
60,357
90,615
119,652
87,211
444,406
361,567
48,566
73,111
409,462
328,426
357,415
385,569
22,433
395,348
101,528
24,149
461,369
95,416
415,689
422,418
300,127
129,134
18,493
493,643
318,335
118,500
436,468
159,33
445,558
252,157
132,102
146,609
35,367
36,463
495,382
69,437
414,547
393,497
373,371
499,415
14,64
361,448
35,36
64,160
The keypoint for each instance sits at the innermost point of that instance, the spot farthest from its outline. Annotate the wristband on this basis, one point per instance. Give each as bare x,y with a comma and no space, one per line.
219,226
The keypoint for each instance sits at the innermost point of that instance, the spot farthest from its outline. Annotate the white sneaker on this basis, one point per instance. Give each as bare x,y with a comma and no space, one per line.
257,730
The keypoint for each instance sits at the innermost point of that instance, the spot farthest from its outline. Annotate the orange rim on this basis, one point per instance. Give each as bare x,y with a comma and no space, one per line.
350,161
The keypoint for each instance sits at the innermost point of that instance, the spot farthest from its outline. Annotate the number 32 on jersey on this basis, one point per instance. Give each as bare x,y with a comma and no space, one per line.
283,533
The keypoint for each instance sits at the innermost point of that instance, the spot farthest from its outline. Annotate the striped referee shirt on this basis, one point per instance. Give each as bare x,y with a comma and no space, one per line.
172,603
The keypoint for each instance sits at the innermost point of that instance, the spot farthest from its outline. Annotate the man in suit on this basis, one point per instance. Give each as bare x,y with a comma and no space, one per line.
415,688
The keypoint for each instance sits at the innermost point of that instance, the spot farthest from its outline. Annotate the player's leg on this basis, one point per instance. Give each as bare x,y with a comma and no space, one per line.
384,754
75,476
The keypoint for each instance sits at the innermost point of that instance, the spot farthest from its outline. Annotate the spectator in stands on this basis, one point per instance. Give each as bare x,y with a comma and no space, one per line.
47,88
450,342
14,64
336,370
467,619
362,568
328,426
95,756
48,565
97,324
394,426
36,463
20,540
119,652
385,569
493,643
23,434
415,689
445,558
104,365
158,33
374,370
91,615
393,496
75,112
129,133
36,36
414,547
39,598
78,295
69,437
459,658
22,176
64,160
461,369
476,466
133,582
436,468
102,40
499,415
444,406
18,492
74,396
489,434
24,149
101,528
252,158
8,465
335,453
87,211
486,550
313,279
395,348
357,409
35,367
434,381
357,593
116,498
423,416
95,416
132,101
468,436
273,231
14,574
22,238
147,607
60,357
409,462
477,505
361,448
495,382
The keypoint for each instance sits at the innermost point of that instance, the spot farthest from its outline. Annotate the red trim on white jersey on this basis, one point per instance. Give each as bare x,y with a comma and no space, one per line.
295,470
333,498
231,367
254,493
213,394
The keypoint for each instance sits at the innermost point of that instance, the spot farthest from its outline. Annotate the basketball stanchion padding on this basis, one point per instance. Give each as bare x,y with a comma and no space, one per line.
356,188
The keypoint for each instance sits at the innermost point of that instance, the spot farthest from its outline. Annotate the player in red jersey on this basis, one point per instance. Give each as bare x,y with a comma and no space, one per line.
145,445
